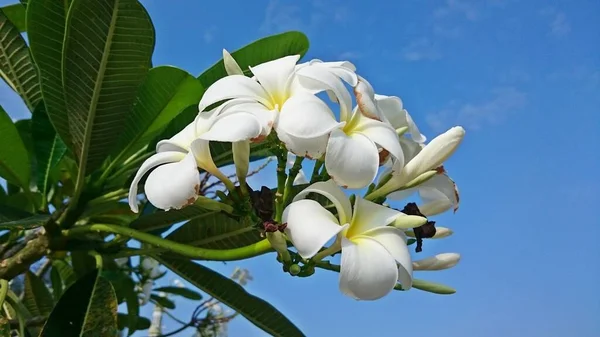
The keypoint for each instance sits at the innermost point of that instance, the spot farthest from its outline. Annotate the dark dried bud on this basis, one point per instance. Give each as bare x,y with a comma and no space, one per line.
262,202
270,226
425,231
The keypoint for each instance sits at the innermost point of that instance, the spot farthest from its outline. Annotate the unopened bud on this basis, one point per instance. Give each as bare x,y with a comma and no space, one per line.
419,180
440,233
277,241
231,66
401,131
438,262
409,221
433,287
295,269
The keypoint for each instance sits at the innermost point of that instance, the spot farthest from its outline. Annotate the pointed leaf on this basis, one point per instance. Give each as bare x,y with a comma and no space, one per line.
228,292
47,146
160,219
16,66
33,221
215,231
88,308
46,31
164,93
142,323
184,292
125,290
36,296
8,213
14,160
106,54
163,301
16,14
260,51
57,284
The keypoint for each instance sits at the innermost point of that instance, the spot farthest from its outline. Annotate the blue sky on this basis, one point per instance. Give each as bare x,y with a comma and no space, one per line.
523,78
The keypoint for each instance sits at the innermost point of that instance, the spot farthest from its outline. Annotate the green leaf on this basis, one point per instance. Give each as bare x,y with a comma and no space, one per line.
65,271
433,287
260,51
33,221
14,161
256,310
125,291
410,241
107,49
88,308
57,284
16,14
163,301
165,92
47,145
142,323
215,231
160,219
4,326
184,292
83,263
36,296
46,31
8,213
16,66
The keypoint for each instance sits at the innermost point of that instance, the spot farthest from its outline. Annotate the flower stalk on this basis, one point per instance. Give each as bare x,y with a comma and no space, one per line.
281,179
293,172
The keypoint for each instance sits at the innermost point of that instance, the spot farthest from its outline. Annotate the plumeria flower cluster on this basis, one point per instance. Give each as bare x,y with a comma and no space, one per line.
369,142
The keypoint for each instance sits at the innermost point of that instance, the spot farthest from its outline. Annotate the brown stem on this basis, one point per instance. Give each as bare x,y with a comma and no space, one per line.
32,252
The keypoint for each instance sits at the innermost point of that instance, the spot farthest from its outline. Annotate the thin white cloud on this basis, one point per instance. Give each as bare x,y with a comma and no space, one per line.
558,23
351,55
209,34
421,49
281,15
466,9
475,115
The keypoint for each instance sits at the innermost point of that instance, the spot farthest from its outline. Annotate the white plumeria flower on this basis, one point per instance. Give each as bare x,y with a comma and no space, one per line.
438,262
281,96
151,267
385,108
374,255
439,194
146,291
353,158
421,158
174,181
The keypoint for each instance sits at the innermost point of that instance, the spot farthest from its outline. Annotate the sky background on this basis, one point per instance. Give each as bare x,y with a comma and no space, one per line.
522,77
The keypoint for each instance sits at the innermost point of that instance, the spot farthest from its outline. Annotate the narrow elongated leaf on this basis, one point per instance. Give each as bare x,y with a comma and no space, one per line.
65,271
228,292
16,65
215,231
47,146
184,292
106,55
88,308
33,221
57,284
16,14
163,301
46,31
36,297
8,213
260,51
125,291
142,323
14,160
164,93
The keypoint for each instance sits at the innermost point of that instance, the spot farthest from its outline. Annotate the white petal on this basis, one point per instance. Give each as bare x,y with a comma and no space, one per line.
438,262
345,70
435,207
369,215
352,161
383,135
365,99
275,75
233,126
234,86
394,241
434,154
241,159
201,150
402,194
180,142
265,117
300,178
150,163
174,185
440,187
317,79
312,148
309,226
331,191
367,271
231,66
306,116
391,107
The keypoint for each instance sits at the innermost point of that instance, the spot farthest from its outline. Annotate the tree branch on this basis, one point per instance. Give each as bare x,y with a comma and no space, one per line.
32,252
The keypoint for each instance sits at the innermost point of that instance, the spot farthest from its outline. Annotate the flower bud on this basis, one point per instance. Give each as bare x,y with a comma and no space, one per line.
438,262
440,233
409,221
277,241
231,66
295,269
433,287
